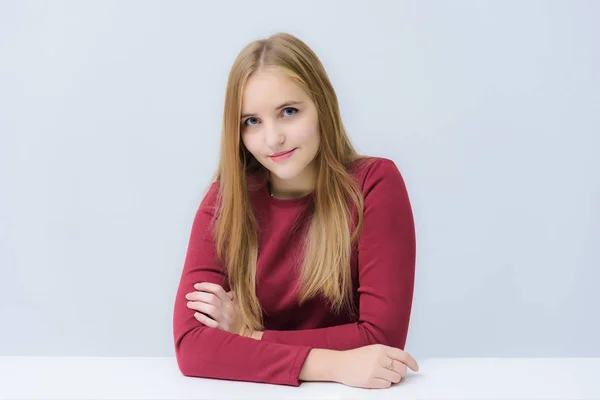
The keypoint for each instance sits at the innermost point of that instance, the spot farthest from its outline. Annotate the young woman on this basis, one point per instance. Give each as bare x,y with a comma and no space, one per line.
301,259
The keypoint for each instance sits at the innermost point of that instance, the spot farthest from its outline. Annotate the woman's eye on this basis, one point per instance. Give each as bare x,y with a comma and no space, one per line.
251,121
290,111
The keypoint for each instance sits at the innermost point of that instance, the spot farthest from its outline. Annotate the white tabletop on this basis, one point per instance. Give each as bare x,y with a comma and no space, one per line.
159,378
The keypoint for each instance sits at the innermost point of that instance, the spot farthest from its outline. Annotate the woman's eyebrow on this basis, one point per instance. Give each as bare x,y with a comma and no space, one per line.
286,104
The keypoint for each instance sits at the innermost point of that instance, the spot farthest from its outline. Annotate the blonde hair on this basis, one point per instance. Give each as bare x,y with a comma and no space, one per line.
325,269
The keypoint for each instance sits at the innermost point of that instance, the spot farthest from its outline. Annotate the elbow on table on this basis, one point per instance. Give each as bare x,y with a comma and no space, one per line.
185,365
188,361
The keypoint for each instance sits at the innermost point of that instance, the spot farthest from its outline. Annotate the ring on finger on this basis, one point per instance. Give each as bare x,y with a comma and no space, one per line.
390,366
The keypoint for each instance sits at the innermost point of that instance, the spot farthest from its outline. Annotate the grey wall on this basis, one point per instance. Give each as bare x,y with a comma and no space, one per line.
110,117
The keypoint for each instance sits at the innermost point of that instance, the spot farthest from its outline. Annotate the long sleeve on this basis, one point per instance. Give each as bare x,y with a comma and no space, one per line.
386,270
212,353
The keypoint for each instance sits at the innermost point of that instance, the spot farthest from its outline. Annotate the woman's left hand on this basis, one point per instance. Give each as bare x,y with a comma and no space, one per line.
216,308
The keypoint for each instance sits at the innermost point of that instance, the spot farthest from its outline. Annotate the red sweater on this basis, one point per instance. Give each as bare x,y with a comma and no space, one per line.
383,270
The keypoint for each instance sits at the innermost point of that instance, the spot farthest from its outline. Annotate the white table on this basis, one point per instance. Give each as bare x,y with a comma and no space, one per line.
159,378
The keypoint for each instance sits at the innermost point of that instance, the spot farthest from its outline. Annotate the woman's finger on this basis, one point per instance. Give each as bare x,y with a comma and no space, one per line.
389,375
403,357
395,365
207,309
400,368
380,383
213,288
205,320
204,297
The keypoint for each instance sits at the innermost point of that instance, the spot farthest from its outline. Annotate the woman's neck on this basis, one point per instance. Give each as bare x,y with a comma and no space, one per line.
299,186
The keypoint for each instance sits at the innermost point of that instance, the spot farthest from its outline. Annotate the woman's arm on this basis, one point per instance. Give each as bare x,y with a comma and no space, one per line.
207,352
212,353
386,270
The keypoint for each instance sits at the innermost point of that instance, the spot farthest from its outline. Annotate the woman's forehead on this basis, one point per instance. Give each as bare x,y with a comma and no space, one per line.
270,90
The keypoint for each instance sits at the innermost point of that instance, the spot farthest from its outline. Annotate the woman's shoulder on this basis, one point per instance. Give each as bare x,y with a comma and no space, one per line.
209,198
255,182
371,169
382,185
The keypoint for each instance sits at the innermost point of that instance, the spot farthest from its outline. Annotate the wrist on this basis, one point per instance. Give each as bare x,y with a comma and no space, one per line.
322,365
336,363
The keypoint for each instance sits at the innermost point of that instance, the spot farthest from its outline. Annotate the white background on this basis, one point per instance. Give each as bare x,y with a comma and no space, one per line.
110,118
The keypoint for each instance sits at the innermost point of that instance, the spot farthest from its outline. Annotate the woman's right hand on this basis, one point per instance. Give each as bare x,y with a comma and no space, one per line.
365,367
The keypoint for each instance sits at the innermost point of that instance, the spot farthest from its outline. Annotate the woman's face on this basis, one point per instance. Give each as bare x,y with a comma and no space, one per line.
278,116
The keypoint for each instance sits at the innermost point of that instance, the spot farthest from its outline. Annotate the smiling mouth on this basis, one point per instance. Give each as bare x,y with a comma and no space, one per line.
281,154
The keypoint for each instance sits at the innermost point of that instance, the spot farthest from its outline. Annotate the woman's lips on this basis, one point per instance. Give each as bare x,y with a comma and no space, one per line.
283,157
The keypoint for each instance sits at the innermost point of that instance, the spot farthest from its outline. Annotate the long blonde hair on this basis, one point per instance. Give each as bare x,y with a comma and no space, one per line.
325,269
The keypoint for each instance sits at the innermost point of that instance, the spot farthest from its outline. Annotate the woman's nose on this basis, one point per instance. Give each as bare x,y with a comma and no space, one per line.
274,137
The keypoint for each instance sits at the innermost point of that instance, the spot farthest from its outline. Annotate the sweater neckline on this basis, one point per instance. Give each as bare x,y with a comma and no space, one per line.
297,201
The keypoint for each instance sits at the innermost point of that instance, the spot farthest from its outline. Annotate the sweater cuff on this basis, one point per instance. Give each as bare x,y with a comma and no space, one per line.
298,364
